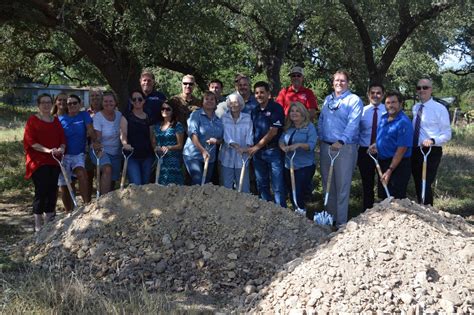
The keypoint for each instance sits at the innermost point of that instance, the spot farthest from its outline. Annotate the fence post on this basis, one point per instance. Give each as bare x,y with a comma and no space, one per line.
455,115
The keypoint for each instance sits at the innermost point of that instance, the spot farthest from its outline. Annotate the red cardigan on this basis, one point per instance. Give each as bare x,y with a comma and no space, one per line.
50,135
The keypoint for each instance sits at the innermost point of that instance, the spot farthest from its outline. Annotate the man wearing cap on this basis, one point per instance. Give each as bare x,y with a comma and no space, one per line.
268,118
153,98
188,102
296,92
431,129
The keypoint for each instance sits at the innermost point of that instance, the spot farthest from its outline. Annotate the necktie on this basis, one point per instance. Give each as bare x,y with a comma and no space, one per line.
373,135
416,133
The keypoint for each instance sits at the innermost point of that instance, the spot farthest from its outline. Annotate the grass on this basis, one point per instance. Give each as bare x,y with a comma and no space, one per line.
32,291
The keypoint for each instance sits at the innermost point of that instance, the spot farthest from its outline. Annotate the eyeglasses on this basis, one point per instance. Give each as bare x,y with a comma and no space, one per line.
424,87
72,103
46,102
295,75
334,104
188,83
166,109
137,99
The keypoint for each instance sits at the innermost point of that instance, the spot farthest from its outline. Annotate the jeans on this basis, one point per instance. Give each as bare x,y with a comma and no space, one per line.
230,175
139,170
303,188
268,166
196,169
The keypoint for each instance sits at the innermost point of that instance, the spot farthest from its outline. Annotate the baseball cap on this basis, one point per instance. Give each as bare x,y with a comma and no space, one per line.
296,70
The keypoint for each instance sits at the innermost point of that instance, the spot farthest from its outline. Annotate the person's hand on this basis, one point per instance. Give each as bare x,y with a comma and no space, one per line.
386,176
205,155
372,149
164,150
336,146
211,141
97,146
57,151
127,147
252,150
427,143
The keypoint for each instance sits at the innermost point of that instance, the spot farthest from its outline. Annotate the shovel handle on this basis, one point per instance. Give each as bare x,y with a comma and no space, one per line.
204,173
158,168
241,180
124,174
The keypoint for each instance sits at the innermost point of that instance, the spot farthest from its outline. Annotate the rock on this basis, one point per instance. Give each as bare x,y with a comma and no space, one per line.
250,289
232,256
351,226
448,306
407,298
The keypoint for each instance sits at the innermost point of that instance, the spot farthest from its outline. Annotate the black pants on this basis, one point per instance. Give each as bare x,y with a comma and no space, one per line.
432,167
397,185
367,173
45,179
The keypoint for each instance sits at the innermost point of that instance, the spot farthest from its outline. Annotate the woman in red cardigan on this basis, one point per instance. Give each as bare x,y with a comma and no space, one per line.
43,137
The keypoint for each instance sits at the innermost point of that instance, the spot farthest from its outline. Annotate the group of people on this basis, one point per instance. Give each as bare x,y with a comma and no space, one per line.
244,137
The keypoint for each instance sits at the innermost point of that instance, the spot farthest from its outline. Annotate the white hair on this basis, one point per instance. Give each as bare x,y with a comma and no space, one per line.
235,97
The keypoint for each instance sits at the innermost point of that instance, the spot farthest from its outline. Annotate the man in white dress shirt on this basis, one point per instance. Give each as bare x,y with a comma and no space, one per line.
431,129
371,115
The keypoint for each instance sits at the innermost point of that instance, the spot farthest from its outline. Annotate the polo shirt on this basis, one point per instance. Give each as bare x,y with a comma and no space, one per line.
270,116
304,95
394,134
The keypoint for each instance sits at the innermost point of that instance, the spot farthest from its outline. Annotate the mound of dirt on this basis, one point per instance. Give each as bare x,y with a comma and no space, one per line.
396,257
208,240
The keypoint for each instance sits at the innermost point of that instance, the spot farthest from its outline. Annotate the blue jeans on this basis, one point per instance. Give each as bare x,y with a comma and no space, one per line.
196,168
230,175
139,170
303,188
268,166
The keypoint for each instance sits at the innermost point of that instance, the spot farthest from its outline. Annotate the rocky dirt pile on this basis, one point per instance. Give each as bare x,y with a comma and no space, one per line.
396,257
207,240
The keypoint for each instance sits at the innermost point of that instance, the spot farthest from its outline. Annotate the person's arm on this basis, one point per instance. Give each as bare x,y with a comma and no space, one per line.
393,165
272,132
124,134
197,144
90,132
353,122
152,138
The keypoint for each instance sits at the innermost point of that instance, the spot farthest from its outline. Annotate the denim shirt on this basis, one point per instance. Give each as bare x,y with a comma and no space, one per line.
340,118
307,135
205,128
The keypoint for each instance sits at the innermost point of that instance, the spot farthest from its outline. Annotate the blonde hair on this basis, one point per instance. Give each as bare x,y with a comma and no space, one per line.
304,112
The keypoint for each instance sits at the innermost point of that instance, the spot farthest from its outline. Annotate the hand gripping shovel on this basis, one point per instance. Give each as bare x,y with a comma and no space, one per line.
159,161
97,156
67,179
206,165
379,171
125,164
242,171
423,173
298,210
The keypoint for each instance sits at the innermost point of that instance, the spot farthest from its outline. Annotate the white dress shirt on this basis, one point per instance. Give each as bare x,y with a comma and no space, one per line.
434,122
365,126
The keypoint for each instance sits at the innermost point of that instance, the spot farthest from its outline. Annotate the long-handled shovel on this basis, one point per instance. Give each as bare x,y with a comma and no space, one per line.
242,171
159,161
423,173
324,218
97,156
379,171
66,178
298,210
206,165
125,164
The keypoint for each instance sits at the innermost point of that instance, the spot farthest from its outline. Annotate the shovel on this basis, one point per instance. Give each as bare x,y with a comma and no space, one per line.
423,173
125,164
206,165
159,161
66,178
331,169
242,171
97,156
298,210
379,171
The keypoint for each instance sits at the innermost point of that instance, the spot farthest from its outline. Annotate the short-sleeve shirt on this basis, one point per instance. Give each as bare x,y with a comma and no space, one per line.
271,116
76,131
308,135
304,95
110,131
394,134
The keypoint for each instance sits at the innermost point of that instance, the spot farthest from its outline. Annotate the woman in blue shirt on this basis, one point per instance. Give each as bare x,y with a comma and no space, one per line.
299,135
205,132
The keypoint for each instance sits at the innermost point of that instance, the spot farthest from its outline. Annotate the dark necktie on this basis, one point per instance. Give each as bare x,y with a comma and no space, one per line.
373,135
416,133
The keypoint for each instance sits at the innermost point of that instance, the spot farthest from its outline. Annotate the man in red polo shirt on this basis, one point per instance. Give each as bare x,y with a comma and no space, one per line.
296,92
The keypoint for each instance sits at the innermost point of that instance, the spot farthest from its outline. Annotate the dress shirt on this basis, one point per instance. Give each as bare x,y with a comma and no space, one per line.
239,132
308,135
365,126
342,121
434,122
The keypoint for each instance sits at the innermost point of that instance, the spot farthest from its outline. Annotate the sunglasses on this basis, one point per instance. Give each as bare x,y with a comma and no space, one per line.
424,87
137,99
166,109
296,75
188,83
72,103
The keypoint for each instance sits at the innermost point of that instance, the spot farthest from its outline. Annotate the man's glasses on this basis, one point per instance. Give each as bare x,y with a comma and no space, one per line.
296,75
137,99
166,109
334,104
188,83
424,88
72,103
